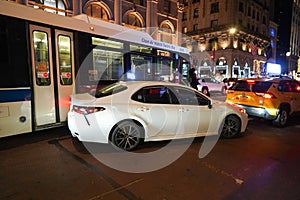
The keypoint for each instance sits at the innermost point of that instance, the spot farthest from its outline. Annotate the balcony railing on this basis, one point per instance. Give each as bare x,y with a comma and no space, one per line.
55,10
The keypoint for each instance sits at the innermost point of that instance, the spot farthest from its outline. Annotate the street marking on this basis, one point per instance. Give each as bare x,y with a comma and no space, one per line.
116,189
216,170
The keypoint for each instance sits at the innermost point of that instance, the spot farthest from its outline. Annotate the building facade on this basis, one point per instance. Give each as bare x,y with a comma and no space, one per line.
161,19
230,38
287,16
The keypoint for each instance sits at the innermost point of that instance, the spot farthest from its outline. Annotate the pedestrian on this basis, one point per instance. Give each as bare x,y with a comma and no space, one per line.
193,78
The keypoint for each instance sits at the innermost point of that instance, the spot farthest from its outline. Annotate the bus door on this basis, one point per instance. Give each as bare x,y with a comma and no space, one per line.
65,71
51,88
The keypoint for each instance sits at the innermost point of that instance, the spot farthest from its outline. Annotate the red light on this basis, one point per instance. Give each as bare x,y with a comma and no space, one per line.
268,96
251,82
212,56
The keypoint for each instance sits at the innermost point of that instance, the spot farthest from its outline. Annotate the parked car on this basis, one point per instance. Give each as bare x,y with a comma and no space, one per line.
128,113
209,84
273,99
229,82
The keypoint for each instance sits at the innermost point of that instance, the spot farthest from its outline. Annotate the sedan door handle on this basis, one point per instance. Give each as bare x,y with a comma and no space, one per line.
143,109
183,110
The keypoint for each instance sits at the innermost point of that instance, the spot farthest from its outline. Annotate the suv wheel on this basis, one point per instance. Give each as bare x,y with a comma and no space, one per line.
282,118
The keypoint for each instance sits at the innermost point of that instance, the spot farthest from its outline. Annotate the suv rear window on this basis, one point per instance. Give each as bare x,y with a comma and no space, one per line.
257,86
261,86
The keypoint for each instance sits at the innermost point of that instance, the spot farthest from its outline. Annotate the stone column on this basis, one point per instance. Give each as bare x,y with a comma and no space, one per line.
180,8
118,12
151,19
77,7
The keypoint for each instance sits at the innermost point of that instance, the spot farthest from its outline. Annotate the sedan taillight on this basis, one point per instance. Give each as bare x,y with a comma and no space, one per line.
85,110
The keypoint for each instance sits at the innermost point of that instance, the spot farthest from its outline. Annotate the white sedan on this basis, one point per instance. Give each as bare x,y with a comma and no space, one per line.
128,113
210,84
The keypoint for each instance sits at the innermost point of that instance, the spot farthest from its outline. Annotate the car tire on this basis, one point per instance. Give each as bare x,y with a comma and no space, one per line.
127,135
231,127
282,118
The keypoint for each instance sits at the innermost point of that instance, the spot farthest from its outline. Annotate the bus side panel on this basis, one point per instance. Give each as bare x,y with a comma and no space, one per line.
15,91
15,112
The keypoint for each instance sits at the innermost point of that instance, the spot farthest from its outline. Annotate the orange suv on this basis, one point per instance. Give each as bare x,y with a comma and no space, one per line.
273,99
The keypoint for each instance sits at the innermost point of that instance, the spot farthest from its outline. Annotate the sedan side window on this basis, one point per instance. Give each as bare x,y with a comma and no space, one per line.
188,97
153,94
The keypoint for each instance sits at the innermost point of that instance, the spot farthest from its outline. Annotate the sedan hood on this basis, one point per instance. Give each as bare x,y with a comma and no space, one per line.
80,99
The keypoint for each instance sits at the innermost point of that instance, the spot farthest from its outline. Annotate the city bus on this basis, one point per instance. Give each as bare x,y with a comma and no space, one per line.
45,58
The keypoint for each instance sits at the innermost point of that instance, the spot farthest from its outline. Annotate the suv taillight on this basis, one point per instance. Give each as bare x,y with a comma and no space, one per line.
266,95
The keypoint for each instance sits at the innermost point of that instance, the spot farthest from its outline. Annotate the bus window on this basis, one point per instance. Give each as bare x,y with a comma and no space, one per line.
41,58
164,68
108,65
141,67
64,57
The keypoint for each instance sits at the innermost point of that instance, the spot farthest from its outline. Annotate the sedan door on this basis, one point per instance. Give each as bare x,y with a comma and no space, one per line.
195,112
153,105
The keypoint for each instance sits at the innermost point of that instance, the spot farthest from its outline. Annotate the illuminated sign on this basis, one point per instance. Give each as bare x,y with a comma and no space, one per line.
273,68
163,53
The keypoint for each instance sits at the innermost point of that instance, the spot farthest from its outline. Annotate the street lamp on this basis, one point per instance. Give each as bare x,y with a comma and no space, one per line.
232,30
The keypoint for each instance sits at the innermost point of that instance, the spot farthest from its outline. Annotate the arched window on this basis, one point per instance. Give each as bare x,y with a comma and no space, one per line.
133,20
98,11
52,6
166,32
58,5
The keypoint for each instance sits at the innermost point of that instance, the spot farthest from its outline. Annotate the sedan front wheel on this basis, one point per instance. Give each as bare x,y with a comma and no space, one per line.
231,127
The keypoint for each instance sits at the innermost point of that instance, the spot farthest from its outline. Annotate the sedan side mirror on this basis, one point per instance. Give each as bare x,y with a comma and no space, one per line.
209,104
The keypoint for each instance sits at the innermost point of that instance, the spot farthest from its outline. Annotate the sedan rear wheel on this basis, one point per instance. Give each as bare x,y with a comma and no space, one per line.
231,127
127,135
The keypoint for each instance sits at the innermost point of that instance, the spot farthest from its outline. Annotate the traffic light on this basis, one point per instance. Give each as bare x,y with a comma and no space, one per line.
212,56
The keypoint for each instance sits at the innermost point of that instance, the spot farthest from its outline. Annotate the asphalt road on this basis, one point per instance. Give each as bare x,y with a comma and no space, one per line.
262,164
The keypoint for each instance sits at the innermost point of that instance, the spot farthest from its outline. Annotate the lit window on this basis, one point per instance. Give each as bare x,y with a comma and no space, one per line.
166,34
98,11
132,20
272,32
59,7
